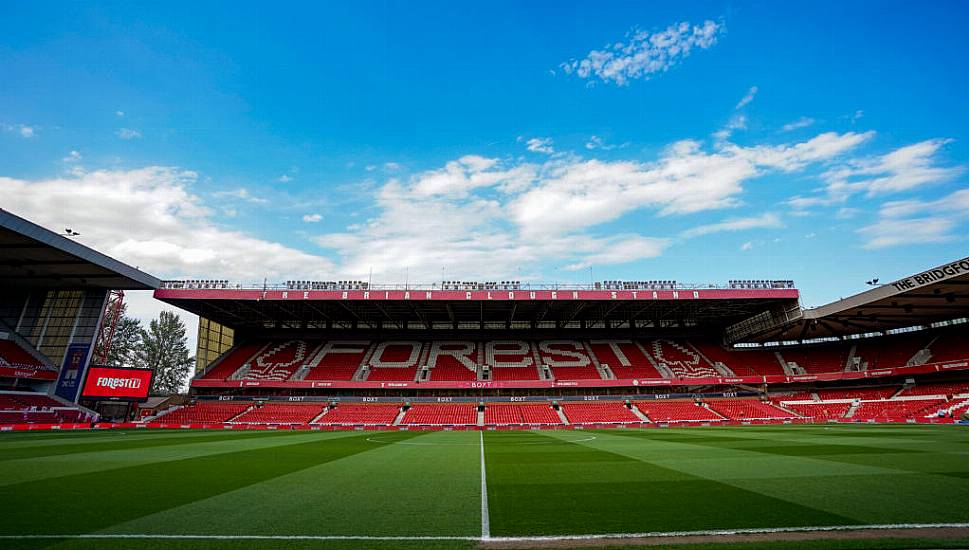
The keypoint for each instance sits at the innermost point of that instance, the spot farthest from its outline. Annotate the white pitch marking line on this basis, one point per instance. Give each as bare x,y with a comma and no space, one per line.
653,534
485,519
551,441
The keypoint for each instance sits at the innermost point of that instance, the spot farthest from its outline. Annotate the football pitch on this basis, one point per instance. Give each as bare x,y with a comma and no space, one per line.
507,489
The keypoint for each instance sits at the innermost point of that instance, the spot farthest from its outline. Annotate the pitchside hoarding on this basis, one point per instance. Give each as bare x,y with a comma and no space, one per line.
113,384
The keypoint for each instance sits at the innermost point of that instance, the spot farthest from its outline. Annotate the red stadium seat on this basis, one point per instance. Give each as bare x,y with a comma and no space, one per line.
360,414
205,411
602,412
520,413
661,410
451,414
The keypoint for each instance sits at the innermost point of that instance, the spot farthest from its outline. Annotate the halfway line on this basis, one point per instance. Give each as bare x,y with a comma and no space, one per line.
485,520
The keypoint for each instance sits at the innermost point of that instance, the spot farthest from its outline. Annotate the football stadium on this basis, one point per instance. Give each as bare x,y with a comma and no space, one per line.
464,414
484,275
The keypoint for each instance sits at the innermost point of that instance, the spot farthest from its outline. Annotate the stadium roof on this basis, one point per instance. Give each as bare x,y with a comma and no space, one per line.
934,295
31,256
426,308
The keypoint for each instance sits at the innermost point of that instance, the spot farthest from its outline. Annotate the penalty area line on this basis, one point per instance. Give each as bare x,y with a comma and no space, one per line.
549,538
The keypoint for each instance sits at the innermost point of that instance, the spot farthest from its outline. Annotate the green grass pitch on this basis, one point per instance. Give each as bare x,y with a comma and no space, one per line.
319,485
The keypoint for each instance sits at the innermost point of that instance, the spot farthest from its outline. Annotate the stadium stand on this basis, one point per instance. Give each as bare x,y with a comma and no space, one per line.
233,360
613,412
337,360
818,359
742,362
279,360
677,411
624,358
936,388
451,414
820,412
281,413
891,351
453,361
858,393
520,413
748,409
568,360
360,414
205,411
36,408
395,361
896,410
949,346
681,358
14,355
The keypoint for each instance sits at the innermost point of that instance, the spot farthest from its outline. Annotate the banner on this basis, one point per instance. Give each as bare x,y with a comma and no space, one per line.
72,370
111,384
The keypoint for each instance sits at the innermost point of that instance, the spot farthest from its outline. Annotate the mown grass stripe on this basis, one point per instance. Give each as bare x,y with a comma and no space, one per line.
126,493
120,444
582,488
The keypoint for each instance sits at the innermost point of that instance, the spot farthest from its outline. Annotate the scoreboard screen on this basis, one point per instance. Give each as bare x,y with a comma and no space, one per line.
113,384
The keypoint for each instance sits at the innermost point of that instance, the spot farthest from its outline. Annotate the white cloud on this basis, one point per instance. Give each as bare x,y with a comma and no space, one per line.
240,193
802,122
312,218
893,232
903,169
685,179
119,114
128,133
767,220
284,178
746,246
150,218
596,142
736,122
73,156
857,116
644,54
540,145
956,203
486,217
22,130
917,221
846,213
747,98
470,172
391,166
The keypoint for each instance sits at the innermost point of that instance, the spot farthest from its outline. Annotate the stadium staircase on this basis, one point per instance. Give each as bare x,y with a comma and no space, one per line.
562,416
635,410
660,368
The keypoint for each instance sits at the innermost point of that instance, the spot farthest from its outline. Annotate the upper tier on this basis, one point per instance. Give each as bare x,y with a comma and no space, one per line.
542,363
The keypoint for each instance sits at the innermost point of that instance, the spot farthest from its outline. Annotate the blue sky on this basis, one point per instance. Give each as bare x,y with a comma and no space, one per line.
823,141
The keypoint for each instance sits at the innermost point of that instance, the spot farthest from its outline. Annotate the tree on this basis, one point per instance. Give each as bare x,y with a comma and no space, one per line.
164,349
126,341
